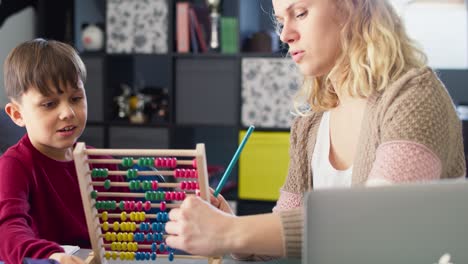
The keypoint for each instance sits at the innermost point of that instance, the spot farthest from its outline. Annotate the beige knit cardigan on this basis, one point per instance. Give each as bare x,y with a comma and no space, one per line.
415,108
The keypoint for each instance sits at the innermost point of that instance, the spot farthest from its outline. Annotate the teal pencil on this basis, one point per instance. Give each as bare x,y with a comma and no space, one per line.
233,162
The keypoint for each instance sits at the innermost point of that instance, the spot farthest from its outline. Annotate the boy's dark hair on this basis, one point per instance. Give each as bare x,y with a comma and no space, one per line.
43,64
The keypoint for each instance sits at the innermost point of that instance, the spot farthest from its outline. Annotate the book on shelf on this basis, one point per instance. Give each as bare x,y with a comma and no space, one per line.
182,27
229,37
197,36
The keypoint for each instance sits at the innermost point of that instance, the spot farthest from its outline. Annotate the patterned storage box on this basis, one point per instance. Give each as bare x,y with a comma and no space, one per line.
268,87
137,26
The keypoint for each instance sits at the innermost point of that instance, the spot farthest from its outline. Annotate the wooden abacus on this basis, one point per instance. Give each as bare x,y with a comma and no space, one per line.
128,249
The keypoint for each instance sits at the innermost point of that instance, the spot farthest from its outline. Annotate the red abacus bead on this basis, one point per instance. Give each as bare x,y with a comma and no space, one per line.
174,162
159,162
132,205
154,185
183,185
197,185
127,205
183,196
194,163
192,186
197,193
147,206
167,196
166,162
162,206
173,195
177,173
193,174
180,196
139,205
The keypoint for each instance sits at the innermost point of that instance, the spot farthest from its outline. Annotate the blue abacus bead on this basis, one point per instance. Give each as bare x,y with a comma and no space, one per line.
137,255
163,227
147,256
171,256
158,217
154,226
153,256
154,247
166,217
155,237
162,248
149,237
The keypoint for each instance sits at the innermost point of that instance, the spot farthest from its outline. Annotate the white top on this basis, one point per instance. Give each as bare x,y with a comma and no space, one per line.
324,174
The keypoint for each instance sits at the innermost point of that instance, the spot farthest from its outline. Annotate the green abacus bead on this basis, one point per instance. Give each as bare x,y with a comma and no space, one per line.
93,173
141,162
148,196
134,173
105,172
124,162
129,174
130,162
107,184
113,205
97,204
122,205
94,194
131,185
137,185
146,185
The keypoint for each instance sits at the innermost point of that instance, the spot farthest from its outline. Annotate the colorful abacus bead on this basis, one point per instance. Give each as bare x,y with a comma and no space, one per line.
107,184
171,256
132,173
154,185
127,162
147,206
162,206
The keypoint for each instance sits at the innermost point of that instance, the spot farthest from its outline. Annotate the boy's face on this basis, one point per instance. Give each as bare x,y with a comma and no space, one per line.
54,122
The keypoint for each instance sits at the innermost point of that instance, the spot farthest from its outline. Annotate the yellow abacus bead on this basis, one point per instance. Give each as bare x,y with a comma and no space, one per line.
130,237
113,246
114,236
123,216
124,246
119,237
122,226
142,216
116,226
118,246
114,255
131,246
135,246
132,216
123,256
127,226
107,255
105,226
107,236
104,216
133,227
131,255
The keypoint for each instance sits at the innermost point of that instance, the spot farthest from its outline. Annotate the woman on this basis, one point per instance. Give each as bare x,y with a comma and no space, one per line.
378,115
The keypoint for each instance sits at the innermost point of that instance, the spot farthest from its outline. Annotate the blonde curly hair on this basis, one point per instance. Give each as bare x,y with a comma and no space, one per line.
375,51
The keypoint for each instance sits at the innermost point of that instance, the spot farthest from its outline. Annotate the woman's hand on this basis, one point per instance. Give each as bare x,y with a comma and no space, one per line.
63,258
220,203
200,228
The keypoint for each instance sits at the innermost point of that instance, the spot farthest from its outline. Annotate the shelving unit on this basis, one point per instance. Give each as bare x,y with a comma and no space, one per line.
204,88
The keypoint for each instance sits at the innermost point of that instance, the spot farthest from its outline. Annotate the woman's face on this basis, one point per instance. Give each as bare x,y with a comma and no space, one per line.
311,28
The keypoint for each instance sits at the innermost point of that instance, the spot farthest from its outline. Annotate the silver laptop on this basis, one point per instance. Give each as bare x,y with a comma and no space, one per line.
411,224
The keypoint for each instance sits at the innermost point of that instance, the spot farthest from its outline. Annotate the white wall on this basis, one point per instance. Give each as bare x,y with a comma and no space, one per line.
16,29
440,27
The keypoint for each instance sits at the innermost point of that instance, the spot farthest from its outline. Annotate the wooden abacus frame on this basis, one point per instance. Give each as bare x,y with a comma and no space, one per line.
86,187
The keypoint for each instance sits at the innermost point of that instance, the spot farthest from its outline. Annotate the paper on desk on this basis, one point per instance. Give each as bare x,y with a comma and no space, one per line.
70,250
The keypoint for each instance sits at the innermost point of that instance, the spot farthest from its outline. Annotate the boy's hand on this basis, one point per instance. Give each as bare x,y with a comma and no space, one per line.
220,203
63,258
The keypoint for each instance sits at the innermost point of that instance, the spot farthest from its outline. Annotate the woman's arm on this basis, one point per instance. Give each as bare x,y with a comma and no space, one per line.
199,228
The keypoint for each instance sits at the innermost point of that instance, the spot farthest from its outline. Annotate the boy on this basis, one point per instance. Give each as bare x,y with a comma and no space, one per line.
40,201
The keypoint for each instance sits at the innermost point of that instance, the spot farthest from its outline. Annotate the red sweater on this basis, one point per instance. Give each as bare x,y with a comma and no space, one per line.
40,205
